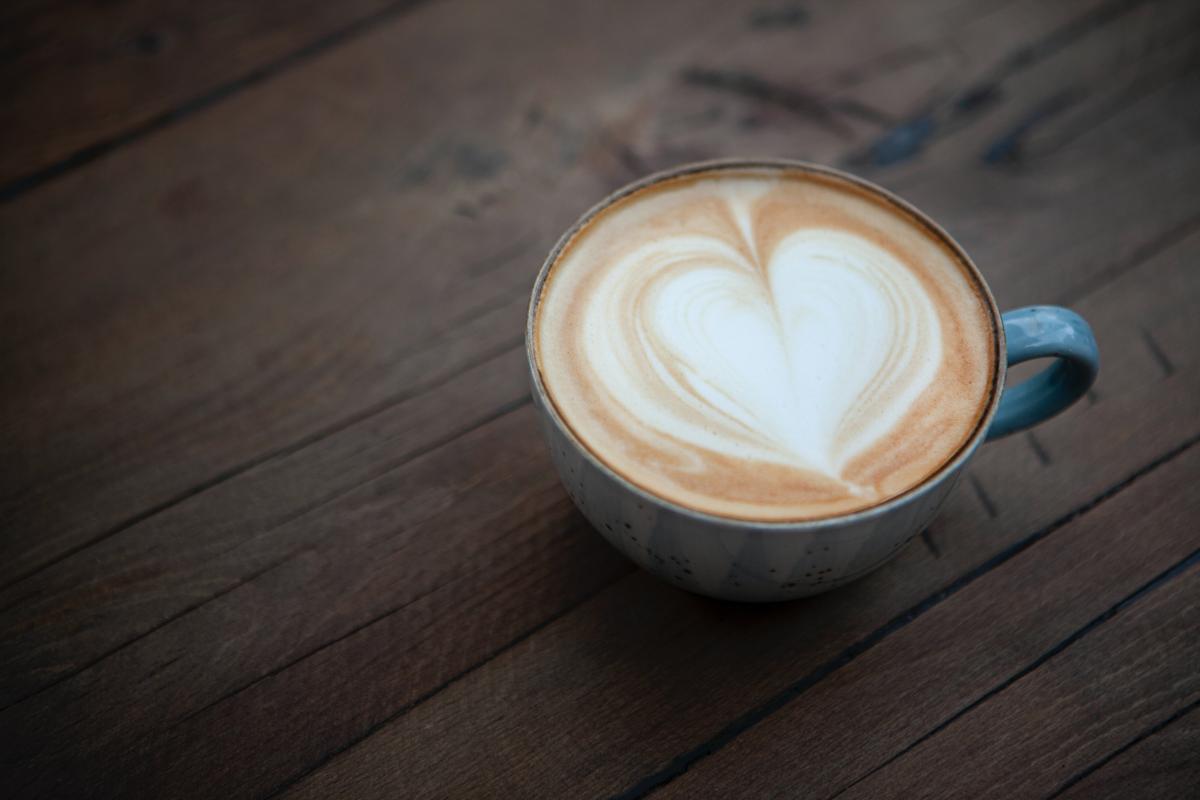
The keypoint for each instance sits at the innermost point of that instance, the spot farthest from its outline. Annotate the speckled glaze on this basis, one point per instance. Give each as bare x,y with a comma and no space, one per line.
727,558
766,561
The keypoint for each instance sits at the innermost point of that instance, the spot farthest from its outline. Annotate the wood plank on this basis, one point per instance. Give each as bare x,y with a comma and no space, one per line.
715,661
1126,676
351,722
48,507
507,759
146,585
127,459
1054,150
80,77
287,309
267,321
447,566
1162,291
283,296
1160,762
68,579
246,572
968,652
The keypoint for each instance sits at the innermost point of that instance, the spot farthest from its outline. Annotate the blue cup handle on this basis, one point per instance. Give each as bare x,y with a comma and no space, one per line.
1045,332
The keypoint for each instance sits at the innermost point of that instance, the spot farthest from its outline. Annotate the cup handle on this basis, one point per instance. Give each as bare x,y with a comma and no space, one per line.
1045,332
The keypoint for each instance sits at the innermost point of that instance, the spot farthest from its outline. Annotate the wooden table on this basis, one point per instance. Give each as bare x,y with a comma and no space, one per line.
276,519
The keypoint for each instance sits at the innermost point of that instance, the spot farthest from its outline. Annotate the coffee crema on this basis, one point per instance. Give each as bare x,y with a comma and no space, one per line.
765,343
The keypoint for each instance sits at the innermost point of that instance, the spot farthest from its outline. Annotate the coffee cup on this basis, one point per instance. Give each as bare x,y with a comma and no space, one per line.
760,379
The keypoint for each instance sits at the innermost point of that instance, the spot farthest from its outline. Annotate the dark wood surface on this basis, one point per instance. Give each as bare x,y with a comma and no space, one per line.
275,518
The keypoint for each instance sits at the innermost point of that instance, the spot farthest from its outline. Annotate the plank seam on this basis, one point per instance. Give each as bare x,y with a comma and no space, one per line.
156,627
283,452
905,140
507,408
275,671
750,719
1161,242
375,728
1146,734
1157,582
17,187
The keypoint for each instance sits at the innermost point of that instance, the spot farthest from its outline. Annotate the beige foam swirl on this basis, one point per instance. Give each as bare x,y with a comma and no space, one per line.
764,345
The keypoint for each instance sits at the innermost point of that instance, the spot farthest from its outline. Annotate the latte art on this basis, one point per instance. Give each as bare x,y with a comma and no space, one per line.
804,360
764,345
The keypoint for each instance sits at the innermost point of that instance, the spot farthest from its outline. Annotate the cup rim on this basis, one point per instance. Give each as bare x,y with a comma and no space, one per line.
835,521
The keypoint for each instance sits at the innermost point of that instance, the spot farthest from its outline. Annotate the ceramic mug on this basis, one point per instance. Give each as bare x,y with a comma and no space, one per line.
759,561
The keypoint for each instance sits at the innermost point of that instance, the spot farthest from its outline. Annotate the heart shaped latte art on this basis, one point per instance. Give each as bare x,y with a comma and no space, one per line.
764,346
806,358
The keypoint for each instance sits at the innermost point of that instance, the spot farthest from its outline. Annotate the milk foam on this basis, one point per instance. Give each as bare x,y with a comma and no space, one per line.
764,345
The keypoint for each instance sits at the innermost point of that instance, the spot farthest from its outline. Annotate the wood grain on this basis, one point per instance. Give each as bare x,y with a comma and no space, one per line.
131,465
722,660
1070,451
1159,762
275,511
930,677
376,342
82,78
246,245
285,296
1071,711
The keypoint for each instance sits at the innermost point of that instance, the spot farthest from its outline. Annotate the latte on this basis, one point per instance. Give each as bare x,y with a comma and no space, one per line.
765,343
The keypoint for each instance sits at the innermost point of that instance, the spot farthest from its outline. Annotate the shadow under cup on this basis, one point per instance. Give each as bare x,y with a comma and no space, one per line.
746,560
